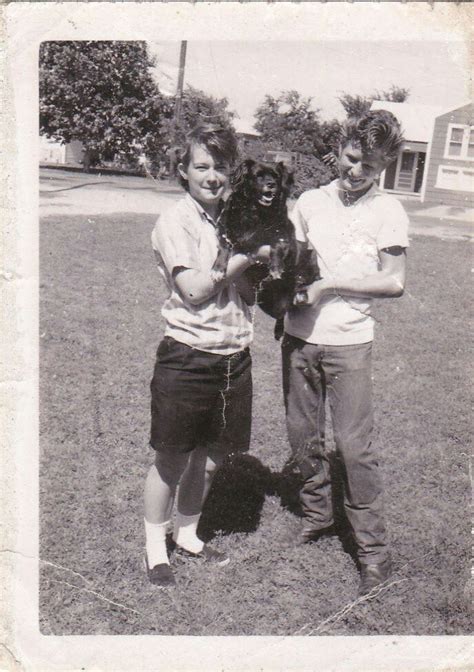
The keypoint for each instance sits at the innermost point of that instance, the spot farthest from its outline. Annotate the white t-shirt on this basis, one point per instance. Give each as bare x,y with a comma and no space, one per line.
185,236
347,241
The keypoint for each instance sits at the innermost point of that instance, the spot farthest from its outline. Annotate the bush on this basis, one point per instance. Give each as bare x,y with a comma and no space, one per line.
311,173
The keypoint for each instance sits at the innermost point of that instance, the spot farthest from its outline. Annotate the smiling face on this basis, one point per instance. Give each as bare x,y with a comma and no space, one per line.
358,170
206,176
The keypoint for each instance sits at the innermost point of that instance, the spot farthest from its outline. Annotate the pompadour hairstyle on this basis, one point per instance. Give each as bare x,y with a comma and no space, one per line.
219,140
375,130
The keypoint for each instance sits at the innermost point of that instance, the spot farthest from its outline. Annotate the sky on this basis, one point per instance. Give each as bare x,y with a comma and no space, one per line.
434,72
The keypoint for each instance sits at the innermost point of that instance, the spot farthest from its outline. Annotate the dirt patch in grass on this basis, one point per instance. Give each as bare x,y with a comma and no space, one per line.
100,325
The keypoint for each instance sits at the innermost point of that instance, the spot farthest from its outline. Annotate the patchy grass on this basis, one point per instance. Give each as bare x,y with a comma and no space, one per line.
100,325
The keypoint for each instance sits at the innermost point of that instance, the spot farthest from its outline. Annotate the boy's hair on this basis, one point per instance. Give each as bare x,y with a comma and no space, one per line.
375,130
219,140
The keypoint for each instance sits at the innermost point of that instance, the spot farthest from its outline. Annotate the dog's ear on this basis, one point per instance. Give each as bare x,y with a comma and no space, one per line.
286,178
241,173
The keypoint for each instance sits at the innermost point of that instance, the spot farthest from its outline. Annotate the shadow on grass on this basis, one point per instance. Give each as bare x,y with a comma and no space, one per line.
238,494
236,498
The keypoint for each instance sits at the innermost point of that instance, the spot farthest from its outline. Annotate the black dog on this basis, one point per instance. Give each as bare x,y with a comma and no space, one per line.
275,297
255,214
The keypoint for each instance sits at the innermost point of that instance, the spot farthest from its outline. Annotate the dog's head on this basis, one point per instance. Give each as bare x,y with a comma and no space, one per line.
264,183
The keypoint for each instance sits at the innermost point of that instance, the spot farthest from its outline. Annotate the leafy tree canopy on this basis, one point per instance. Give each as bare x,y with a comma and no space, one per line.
288,122
103,94
356,106
197,106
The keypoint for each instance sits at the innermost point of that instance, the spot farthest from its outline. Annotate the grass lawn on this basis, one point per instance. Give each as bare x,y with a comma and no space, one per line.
100,325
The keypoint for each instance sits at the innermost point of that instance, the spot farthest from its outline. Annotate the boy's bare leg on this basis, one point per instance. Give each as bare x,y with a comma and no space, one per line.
196,481
160,489
160,486
193,490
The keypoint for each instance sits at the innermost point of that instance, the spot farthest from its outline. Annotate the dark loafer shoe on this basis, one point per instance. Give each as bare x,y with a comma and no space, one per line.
372,576
308,535
208,554
160,575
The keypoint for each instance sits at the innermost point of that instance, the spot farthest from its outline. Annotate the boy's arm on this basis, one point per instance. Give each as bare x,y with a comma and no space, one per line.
196,287
246,289
388,282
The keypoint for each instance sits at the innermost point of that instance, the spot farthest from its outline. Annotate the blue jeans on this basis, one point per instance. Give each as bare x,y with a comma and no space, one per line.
343,374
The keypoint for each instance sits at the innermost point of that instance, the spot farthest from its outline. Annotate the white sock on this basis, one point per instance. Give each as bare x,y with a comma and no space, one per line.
155,534
185,528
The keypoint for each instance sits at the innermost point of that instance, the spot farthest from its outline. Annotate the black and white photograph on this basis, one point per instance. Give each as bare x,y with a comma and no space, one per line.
240,242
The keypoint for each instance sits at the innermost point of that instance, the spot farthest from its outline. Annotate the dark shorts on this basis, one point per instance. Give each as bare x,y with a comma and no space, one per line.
200,399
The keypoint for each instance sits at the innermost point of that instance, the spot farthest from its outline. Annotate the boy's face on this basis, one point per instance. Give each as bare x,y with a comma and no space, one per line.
207,177
357,169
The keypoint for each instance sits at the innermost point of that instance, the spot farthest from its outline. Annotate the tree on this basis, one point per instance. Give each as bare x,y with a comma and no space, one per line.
356,106
289,123
330,135
395,94
198,106
102,94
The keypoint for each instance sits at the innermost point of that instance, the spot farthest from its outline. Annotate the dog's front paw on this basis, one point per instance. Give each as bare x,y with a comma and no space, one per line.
301,298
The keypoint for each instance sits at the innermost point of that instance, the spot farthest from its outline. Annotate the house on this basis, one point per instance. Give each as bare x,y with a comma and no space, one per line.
52,152
437,161
247,137
290,159
406,174
250,144
450,172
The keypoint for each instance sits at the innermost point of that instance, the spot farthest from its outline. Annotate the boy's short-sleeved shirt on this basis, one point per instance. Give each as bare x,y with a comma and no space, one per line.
185,237
347,241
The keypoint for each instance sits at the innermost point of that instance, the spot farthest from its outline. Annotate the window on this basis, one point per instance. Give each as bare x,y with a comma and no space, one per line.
408,161
455,179
470,144
460,142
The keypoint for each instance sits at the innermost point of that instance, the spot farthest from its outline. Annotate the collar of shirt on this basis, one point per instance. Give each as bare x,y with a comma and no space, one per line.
203,214
373,191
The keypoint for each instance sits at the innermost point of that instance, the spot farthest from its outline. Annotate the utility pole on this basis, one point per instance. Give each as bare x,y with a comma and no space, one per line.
174,150
179,91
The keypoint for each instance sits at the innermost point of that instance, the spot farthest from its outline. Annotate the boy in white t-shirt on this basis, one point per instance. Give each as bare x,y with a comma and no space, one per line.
201,392
360,236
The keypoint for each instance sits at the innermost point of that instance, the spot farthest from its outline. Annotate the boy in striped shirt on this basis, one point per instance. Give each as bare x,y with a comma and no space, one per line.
202,386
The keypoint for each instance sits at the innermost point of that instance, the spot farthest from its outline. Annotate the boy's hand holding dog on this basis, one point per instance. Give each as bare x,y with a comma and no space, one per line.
312,294
261,256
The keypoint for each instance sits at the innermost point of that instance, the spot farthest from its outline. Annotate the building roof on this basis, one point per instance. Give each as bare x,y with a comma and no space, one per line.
458,108
245,127
417,120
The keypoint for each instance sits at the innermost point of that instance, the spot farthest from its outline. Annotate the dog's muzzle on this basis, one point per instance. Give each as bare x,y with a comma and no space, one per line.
266,200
